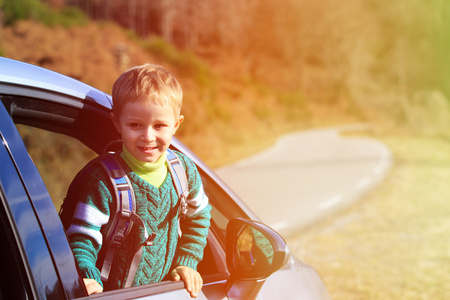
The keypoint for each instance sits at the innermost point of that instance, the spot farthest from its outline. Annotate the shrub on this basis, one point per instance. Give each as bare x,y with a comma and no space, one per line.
15,10
67,17
187,63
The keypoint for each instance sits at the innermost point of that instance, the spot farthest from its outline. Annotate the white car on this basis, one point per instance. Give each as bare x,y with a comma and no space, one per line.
37,262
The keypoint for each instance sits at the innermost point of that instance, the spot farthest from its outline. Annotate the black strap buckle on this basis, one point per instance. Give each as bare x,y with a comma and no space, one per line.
149,240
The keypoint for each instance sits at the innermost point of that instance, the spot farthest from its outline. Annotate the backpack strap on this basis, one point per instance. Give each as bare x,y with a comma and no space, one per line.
124,218
125,209
178,174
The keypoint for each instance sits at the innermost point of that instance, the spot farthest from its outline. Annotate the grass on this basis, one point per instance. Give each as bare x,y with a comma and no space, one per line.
393,244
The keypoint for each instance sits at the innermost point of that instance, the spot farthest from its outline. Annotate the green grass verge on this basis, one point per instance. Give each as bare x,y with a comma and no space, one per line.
393,244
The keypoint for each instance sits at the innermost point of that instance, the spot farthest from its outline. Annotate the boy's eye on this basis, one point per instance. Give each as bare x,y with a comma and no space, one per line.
160,126
135,125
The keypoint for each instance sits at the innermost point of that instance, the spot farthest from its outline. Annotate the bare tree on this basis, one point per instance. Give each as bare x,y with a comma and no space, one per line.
168,12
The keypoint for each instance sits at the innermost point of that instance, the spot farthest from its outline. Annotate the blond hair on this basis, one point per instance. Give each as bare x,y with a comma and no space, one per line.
147,83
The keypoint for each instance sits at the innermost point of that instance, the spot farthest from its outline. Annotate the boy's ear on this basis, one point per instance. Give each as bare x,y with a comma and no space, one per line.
116,122
178,123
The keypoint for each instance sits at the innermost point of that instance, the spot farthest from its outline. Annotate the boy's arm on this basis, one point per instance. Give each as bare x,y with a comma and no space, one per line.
91,213
190,248
196,223
193,239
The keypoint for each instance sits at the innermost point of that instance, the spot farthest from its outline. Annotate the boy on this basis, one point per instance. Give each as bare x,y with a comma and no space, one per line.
147,103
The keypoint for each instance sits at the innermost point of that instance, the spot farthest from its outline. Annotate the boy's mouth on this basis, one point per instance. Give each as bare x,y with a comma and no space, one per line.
148,148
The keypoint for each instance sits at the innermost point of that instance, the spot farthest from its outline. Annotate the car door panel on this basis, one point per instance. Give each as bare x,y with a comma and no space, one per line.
34,218
168,290
29,240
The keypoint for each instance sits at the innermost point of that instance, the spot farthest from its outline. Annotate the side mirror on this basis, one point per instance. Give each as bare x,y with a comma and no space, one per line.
254,251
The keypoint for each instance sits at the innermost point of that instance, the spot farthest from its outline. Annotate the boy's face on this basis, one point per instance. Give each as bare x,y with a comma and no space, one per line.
147,129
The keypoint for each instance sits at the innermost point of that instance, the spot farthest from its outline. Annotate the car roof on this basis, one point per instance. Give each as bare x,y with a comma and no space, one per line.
22,74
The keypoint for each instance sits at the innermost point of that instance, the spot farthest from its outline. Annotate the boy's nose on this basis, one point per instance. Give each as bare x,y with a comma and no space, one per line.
148,134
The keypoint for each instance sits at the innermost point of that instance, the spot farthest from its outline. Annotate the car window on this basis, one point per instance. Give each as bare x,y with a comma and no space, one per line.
57,157
223,206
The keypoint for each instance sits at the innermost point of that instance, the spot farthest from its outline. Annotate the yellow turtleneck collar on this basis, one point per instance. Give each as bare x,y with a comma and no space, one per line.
154,173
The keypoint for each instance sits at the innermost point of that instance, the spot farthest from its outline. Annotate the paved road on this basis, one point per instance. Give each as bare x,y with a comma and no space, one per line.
307,175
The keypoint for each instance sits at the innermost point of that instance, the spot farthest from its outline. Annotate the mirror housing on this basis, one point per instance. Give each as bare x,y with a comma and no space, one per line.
254,251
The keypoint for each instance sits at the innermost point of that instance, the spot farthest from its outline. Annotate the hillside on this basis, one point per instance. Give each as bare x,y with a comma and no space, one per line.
229,114
88,53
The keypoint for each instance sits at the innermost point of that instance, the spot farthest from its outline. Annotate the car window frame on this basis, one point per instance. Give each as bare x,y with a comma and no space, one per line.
31,218
12,248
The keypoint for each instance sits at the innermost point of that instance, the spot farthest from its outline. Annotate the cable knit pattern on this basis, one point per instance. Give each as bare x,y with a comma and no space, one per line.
158,208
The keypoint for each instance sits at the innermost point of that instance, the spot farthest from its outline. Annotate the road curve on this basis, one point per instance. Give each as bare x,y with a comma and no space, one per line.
307,175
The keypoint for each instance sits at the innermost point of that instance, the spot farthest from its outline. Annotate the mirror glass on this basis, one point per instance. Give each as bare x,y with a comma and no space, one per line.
254,251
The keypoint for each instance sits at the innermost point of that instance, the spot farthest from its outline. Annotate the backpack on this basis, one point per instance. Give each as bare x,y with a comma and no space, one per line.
125,216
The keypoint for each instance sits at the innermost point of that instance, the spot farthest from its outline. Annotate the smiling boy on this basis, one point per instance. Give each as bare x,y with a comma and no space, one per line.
147,103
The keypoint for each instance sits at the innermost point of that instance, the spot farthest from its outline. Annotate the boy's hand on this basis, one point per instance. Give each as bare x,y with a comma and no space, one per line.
192,279
92,286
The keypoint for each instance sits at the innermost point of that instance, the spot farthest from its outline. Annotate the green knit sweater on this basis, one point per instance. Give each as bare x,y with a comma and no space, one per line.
158,208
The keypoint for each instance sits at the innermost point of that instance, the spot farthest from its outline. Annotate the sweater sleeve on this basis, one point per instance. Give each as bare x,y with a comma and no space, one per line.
91,214
195,225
